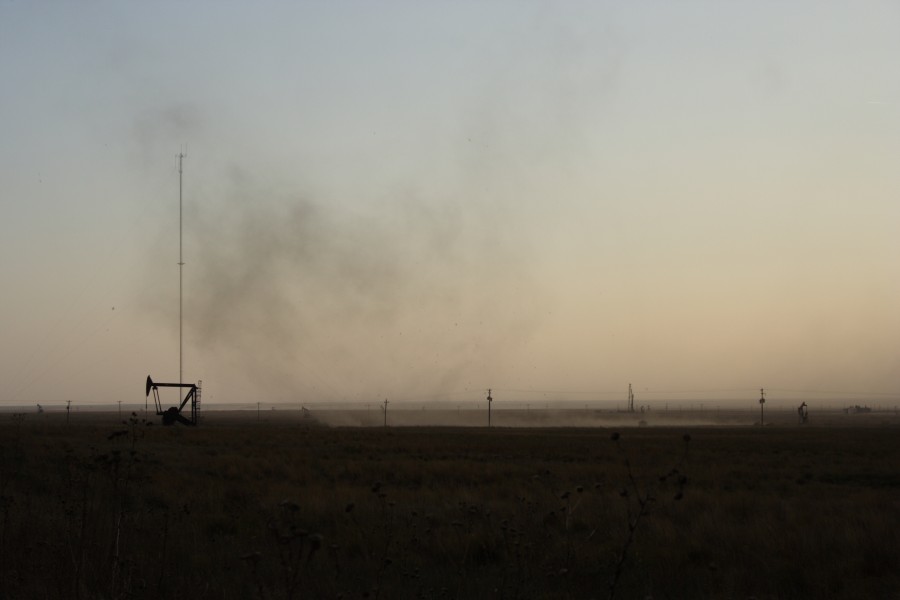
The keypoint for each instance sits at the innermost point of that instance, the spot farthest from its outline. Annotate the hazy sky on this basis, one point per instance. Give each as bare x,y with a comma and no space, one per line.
421,200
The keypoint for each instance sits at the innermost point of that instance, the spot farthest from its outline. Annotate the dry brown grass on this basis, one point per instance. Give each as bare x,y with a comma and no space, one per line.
233,510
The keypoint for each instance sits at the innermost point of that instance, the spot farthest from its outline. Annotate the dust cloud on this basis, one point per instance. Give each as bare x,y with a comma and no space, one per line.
310,298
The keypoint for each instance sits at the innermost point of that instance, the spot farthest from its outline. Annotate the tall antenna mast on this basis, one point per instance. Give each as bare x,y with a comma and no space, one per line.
180,275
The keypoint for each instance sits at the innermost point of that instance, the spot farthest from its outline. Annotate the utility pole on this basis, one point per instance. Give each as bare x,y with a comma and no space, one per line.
762,402
630,399
385,411
489,400
68,406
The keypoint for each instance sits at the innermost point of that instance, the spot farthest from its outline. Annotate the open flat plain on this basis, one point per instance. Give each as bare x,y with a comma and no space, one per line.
274,505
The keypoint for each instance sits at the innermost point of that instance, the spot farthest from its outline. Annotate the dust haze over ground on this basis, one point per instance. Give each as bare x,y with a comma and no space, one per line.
309,297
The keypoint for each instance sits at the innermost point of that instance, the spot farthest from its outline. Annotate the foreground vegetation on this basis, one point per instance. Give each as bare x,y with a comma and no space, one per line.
103,509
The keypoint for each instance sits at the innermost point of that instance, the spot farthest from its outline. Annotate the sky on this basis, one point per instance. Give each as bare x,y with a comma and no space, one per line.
423,200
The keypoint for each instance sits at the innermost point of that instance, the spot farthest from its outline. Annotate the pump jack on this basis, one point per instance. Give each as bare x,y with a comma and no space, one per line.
173,415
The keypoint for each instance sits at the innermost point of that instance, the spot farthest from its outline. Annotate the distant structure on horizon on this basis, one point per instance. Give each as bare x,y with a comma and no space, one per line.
762,403
802,413
174,414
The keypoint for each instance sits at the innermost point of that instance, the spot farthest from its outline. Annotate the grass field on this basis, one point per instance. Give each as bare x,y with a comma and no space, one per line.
290,509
